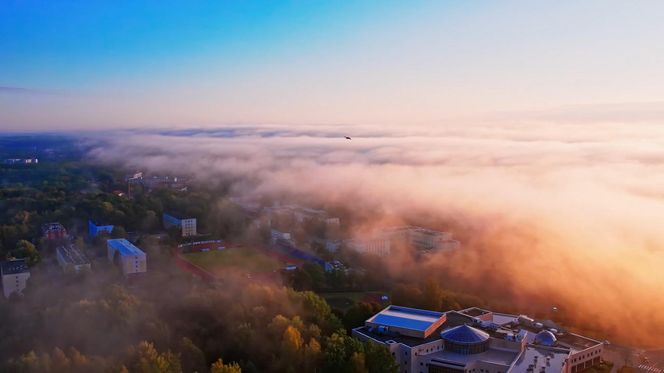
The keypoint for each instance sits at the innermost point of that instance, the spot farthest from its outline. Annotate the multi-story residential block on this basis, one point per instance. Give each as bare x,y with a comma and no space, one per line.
129,258
15,274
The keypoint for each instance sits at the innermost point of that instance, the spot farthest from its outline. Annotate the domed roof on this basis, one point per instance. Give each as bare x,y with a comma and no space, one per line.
545,338
464,334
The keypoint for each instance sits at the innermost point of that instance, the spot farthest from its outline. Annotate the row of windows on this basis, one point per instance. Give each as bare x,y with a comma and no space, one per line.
584,356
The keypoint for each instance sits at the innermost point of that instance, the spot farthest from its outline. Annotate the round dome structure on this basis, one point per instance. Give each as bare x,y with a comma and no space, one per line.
465,339
545,338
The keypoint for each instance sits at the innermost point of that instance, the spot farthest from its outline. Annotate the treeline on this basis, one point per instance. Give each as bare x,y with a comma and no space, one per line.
73,192
171,322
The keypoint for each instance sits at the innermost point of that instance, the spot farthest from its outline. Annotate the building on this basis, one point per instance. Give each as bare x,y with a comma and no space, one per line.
125,255
187,226
335,266
276,235
20,161
15,274
71,259
422,239
94,229
54,231
477,341
301,215
379,245
170,182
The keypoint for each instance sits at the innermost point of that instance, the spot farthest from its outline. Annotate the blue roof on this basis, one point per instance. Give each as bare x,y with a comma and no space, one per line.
464,334
125,247
545,338
407,318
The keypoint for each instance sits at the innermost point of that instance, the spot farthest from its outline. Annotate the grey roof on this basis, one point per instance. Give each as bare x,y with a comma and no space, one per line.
464,334
15,266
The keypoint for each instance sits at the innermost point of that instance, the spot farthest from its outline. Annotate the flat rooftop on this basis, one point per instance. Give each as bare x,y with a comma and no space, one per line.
12,267
125,247
577,342
475,311
551,359
73,255
406,318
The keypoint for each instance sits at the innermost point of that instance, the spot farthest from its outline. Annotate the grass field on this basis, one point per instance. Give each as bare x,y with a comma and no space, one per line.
240,259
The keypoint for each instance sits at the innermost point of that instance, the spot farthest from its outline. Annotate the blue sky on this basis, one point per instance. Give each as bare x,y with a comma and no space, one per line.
145,63
58,44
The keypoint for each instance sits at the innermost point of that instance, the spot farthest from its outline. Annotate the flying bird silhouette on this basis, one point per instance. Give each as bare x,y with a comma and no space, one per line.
347,137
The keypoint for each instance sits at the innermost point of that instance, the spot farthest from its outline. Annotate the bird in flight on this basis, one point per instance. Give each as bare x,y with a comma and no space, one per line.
347,137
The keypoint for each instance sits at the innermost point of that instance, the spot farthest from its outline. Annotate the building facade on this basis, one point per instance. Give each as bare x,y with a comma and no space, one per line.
379,245
15,275
129,258
476,341
422,239
54,231
187,226
94,229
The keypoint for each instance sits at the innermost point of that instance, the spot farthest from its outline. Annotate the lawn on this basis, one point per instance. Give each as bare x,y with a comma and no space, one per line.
240,258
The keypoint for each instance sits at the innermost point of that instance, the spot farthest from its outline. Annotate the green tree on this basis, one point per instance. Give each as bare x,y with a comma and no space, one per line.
25,249
358,314
378,359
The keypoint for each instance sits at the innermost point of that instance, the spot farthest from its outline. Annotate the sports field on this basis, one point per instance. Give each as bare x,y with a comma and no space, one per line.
234,259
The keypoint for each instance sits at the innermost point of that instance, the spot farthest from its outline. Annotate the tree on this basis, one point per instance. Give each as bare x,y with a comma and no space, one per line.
192,358
357,362
378,359
25,249
312,353
149,360
358,313
118,232
219,367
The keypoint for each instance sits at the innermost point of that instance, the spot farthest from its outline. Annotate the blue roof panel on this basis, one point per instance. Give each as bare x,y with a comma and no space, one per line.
464,334
125,247
407,318
401,322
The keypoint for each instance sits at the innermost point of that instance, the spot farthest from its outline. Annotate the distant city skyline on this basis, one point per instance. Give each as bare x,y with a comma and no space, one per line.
68,65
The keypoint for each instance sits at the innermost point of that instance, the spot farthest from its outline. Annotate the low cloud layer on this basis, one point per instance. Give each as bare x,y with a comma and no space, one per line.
562,213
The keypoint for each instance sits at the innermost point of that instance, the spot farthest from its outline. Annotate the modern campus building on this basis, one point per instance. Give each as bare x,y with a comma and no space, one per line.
94,229
125,255
422,239
54,231
15,274
477,341
71,259
187,226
